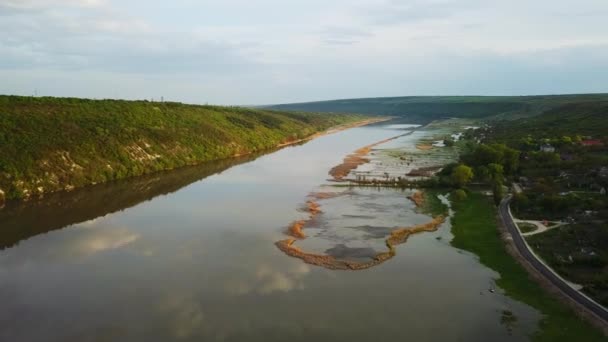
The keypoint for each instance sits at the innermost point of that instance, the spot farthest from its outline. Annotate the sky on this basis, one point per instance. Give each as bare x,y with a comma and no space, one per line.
246,52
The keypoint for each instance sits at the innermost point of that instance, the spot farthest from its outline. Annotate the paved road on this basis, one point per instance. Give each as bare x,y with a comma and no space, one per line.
524,250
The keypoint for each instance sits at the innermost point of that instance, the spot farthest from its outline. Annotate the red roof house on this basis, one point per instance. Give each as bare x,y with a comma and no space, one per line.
592,142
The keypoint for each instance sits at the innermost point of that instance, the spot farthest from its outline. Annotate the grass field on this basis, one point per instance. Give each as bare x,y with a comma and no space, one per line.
525,227
578,252
474,226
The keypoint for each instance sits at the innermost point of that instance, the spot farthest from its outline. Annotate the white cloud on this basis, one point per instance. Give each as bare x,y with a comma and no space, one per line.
268,279
297,51
49,4
74,244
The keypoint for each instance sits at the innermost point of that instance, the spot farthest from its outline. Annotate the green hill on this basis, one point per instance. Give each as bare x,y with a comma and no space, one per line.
584,118
423,109
52,144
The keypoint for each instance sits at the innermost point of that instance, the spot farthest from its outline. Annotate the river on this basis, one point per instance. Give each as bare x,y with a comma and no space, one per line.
190,255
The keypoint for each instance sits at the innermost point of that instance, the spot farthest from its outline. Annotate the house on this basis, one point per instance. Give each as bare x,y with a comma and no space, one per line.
547,148
592,142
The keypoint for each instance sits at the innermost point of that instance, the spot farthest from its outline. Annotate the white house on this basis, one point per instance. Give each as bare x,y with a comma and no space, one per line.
547,148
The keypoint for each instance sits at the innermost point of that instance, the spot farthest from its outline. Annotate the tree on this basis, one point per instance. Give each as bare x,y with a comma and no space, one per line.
461,175
459,195
511,160
496,172
486,154
498,192
448,142
520,201
482,173
527,143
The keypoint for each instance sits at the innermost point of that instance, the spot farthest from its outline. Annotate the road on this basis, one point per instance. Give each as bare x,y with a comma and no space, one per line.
543,269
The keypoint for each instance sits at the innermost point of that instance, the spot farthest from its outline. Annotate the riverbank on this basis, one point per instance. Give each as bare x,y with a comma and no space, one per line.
357,158
475,229
335,129
59,144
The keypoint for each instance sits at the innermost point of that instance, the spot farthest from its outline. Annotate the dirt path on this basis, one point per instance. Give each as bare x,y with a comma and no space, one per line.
540,226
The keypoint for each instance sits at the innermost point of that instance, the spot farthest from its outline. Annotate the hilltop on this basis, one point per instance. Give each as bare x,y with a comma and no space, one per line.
583,118
423,109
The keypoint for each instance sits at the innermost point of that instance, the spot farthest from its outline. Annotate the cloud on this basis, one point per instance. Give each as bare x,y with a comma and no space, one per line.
37,5
267,280
344,35
266,52
102,40
393,12
71,245
185,315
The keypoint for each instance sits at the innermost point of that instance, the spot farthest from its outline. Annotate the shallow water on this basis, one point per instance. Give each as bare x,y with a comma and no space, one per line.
190,255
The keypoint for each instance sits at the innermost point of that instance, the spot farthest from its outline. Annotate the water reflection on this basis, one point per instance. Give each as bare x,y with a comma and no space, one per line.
21,220
199,264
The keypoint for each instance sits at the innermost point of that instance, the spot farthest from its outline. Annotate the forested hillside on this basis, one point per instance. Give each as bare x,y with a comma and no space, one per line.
575,119
423,109
51,144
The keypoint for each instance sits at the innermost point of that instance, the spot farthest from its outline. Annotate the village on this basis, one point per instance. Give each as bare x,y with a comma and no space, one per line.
560,203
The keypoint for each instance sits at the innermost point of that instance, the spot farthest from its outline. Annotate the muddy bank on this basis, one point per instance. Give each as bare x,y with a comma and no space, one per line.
353,160
417,198
395,237
295,228
424,147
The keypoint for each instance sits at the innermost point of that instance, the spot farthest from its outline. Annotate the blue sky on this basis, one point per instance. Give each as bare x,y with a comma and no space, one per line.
271,51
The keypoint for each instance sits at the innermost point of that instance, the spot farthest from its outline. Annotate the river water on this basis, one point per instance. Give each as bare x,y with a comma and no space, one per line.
190,255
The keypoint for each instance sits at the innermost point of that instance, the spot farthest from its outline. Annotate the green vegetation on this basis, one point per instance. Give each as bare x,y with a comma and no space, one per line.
461,175
526,227
448,142
432,205
458,195
52,144
474,228
486,164
423,109
559,159
562,124
561,248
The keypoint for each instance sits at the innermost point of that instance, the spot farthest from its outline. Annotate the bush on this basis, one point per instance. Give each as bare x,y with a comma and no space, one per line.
459,195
